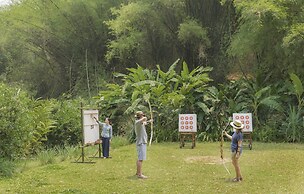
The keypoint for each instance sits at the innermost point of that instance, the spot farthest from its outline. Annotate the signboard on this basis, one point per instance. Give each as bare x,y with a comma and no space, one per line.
246,119
90,126
187,123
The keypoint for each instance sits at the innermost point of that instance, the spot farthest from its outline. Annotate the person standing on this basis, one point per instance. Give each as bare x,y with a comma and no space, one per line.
106,136
141,141
236,147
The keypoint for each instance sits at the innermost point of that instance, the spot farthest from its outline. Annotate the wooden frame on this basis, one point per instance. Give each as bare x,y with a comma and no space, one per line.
187,135
248,136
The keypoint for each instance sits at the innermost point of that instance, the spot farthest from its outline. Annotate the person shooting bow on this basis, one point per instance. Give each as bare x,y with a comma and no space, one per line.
236,147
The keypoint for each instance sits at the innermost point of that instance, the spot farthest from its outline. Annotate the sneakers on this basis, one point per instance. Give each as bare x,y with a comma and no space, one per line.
142,176
237,179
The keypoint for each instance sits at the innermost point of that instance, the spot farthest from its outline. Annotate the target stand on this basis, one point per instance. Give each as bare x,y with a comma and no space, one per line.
90,132
98,142
248,137
187,128
187,136
83,158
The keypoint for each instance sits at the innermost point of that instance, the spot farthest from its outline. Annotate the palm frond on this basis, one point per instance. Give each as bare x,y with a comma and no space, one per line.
272,102
259,93
297,84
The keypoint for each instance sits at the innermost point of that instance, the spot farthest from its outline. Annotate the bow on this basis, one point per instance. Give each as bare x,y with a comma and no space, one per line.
222,151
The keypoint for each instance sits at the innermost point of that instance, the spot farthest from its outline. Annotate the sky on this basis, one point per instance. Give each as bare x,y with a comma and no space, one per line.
4,2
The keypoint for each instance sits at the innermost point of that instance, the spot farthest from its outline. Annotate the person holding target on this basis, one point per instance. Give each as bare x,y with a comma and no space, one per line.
106,136
236,147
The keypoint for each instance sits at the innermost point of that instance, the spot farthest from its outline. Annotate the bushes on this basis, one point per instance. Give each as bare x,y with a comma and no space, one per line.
68,129
28,125
16,129
277,109
7,167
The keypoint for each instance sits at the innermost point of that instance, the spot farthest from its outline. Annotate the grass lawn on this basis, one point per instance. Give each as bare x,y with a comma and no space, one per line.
267,168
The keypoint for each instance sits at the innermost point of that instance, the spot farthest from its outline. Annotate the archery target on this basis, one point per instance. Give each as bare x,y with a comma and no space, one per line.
90,126
187,123
246,119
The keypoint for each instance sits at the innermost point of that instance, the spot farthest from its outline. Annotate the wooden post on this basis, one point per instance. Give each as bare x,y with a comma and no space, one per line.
184,135
248,136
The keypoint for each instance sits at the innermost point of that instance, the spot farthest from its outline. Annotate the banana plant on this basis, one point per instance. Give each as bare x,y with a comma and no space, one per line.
159,92
294,120
255,99
144,90
297,89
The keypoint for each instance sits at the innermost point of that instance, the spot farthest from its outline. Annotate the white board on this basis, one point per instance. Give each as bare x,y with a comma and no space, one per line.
187,123
246,119
90,126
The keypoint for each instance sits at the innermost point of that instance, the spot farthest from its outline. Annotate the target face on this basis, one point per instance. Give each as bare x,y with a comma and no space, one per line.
187,123
90,126
246,119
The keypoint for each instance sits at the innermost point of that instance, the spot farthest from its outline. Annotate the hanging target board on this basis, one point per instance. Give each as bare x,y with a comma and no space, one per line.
246,119
187,123
90,127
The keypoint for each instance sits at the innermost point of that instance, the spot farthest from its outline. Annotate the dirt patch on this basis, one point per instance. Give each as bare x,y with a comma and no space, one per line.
206,159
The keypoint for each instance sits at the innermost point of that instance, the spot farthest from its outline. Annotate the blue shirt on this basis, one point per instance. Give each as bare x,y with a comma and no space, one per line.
234,143
106,130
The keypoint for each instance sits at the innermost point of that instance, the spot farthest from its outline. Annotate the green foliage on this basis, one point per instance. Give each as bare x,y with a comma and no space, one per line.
158,93
74,46
70,46
68,130
16,125
28,125
297,89
42,123
7,167
46,157
193,35
145,32
268,39
119,141
58,39
293,126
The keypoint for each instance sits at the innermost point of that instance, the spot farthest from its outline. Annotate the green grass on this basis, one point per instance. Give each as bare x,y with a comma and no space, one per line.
268,168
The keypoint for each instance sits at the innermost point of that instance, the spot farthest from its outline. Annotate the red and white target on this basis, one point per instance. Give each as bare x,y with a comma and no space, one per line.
246,119
187,123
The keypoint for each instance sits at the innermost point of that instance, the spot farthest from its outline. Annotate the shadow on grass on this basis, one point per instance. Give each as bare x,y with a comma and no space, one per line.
227,180
134,177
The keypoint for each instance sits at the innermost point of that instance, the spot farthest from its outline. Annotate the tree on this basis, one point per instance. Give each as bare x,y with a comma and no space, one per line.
266,33
61,43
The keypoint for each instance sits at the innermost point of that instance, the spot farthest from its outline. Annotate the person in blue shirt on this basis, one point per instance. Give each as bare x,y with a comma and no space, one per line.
236,147
106,135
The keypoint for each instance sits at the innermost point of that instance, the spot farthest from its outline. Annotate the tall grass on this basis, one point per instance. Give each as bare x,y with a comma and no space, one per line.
7,167
52,156
119,141
46,156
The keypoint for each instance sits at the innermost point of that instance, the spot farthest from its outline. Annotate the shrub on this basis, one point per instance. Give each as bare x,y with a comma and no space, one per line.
46,156
68,130
119,141
7,167
15,129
